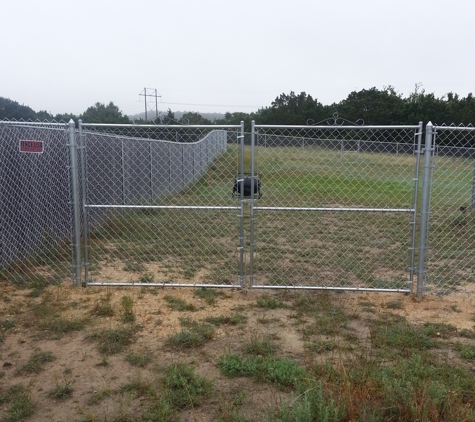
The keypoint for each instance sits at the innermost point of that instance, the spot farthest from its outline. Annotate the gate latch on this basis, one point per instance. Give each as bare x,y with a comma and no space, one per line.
246,182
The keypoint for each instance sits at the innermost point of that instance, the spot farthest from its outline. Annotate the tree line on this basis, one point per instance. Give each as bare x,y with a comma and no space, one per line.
369,106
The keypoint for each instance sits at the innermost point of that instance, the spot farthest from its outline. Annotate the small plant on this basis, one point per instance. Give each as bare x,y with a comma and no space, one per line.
234,319
138,359
466,351
183,388
209,295
270,303
98,397
128,314
284,373
177,304
321,346
135,267
103,307
36,363
112,341
146,278
263,347
7,324
394,304
19,401
62,391
138,387
197,335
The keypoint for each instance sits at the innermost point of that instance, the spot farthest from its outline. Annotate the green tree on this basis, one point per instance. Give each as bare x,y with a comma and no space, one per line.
100,113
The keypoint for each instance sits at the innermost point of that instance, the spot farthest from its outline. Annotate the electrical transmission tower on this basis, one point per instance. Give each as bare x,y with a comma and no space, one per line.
149,92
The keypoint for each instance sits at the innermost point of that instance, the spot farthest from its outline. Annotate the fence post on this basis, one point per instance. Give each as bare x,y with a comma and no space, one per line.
82,147
241,216
75,204
251,211
424,215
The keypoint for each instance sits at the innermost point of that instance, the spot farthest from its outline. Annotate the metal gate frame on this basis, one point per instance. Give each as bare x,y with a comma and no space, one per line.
83,207
254,206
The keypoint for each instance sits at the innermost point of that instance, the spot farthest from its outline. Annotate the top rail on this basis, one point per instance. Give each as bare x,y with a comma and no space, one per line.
161,126
330,127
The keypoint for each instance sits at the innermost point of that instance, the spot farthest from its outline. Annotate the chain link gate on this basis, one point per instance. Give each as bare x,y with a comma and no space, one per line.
335,208
158,205
451,233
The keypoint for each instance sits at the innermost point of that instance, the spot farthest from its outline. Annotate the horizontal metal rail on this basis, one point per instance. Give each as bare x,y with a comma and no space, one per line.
327,209
131,284
217,127
353,289
337,127
167,207
226,208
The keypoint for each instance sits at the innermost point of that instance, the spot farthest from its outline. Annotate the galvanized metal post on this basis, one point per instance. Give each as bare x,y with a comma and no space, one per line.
424,215
75,204
413,223
82,147
242,268
251,211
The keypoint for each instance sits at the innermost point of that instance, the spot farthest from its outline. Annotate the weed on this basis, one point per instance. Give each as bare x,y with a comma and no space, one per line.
321,346
284,373
466,351
98,397
138,359
234,319
135,267
394,304
467,333
112,341
62,391
103,307
312,404
59,326
20,404
177,304
197,335
138,387
209,295
146,278
267,302
441,330
183,388
7,324
263,347
128,314
36,363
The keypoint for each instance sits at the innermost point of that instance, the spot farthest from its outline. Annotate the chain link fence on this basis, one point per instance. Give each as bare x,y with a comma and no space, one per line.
158,204
35,216
338,207
451,236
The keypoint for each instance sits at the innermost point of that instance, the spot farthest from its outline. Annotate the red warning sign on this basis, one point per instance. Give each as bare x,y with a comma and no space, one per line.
35,147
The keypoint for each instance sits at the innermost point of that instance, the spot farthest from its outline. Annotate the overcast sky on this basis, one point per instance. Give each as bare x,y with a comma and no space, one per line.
226,55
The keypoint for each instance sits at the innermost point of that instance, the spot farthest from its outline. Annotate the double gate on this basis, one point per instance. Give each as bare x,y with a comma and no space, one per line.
314,207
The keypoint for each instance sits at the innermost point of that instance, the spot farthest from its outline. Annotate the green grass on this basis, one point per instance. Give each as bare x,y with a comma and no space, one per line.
61,391
36,363
196,335
17,403
140,360
178,304
112,341
183,388
233,319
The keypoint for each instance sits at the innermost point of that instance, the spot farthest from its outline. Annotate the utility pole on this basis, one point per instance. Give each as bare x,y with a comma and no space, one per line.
149,92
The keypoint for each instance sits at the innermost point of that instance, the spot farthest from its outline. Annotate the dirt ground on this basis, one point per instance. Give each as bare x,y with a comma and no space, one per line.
78,362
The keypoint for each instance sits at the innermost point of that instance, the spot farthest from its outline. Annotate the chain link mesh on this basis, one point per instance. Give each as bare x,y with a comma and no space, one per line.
35,218
357,185
160,206
451,239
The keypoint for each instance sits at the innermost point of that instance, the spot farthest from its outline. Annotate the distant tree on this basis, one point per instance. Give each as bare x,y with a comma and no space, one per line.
192,118
100,113
14,111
